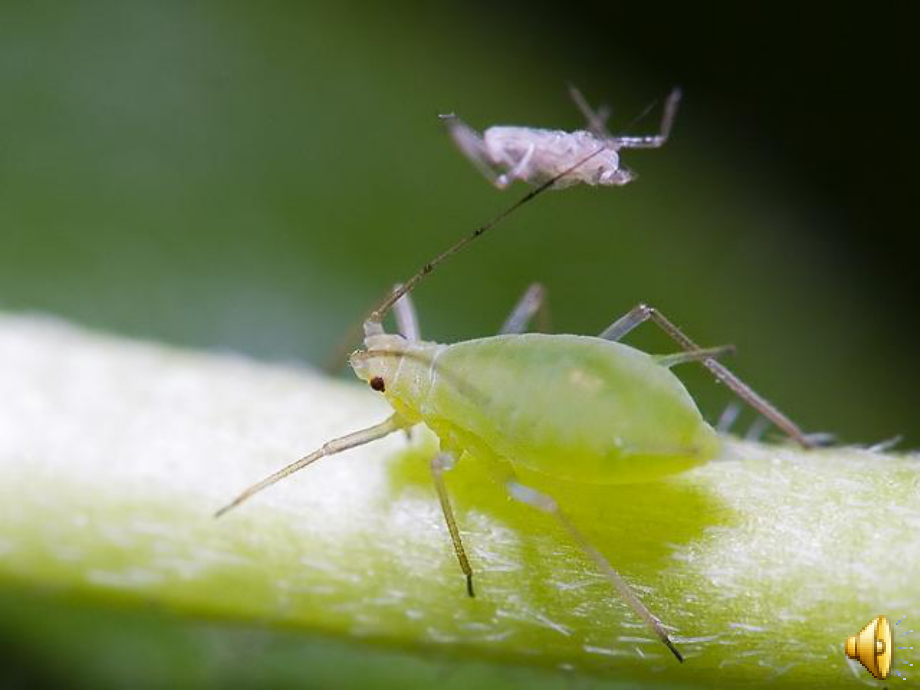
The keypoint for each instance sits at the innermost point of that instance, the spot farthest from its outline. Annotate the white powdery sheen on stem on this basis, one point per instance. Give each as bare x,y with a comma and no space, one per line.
114,455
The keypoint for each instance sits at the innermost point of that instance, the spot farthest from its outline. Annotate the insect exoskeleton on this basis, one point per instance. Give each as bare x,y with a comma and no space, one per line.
572,407
532,154
536,155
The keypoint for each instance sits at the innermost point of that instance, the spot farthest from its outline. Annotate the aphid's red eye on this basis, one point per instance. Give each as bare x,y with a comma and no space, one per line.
377,384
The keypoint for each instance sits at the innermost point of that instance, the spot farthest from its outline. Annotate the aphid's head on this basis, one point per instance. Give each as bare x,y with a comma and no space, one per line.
399,369
615,176
377,365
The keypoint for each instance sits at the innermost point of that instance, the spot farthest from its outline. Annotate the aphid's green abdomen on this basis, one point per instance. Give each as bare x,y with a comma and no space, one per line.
572,407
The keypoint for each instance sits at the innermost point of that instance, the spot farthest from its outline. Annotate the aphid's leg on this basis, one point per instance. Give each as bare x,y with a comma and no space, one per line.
657,140
728,417
887,444
352,440
597,119
473,147
440,463
755,431
547,504
406,317
669,361
533,302
642,313
407,326
517,172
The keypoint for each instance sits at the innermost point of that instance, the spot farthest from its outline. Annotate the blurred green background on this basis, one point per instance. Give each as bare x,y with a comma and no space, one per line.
252,177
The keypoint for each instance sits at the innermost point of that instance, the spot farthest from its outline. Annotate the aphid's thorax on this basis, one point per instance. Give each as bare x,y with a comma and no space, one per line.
571,407
402,370
551,152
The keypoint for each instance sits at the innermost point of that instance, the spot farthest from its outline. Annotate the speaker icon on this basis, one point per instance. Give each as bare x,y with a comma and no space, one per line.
872,647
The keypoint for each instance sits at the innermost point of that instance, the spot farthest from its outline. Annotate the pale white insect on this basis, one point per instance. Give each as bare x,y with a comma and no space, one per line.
504,154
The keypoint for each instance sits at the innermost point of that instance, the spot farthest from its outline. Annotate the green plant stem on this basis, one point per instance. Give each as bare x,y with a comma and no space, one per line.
114,455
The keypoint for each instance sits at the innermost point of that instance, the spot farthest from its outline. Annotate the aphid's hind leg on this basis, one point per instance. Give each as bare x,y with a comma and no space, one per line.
642,313
532,302
669,361
657,140
471,144
338,445
597,119
439,464
547,504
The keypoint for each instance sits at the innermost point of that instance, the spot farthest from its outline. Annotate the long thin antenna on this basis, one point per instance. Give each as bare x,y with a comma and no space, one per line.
377,315
352,440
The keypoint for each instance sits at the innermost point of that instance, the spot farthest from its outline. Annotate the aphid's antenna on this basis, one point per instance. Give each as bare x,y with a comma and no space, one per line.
372,325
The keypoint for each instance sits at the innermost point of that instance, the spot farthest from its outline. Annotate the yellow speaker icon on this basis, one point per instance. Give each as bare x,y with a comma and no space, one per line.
872,647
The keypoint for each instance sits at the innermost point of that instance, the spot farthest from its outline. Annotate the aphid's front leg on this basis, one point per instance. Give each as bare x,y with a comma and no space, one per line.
473,147
657,140
533,302
407,326
406,317
642,313
439,464
728,417
338,445
547,504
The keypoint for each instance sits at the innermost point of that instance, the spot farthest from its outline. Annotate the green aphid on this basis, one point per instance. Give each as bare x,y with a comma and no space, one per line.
587,410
